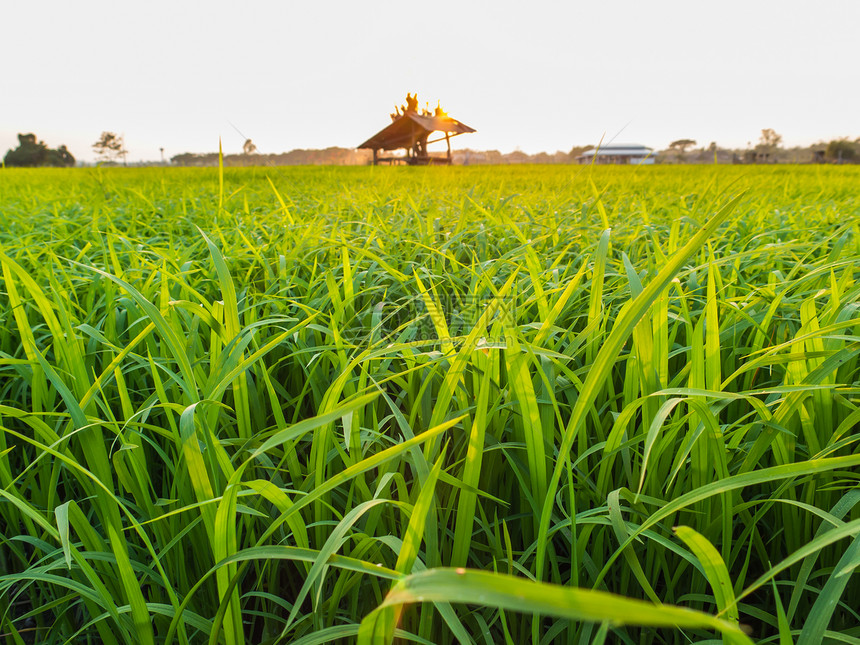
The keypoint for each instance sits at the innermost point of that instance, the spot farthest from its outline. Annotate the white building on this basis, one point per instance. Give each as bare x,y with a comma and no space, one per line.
618,153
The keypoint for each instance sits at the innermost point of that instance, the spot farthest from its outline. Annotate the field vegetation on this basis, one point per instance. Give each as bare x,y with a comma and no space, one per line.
437,405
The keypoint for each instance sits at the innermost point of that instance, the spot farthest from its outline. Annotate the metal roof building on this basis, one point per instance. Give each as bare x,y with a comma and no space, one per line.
411,131
618,153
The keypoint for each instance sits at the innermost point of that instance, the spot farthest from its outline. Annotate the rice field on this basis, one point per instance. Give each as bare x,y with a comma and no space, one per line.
432,405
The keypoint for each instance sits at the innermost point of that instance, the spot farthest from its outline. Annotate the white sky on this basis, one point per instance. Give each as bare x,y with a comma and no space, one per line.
535,75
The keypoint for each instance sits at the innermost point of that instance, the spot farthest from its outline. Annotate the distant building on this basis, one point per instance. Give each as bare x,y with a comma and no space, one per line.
618,153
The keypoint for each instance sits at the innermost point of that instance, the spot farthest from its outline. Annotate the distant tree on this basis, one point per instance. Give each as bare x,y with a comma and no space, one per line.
768,143
60,158
28,154
769,138
680,147
192,159
517,156
110,147
578,151
682,144
32,153
841,150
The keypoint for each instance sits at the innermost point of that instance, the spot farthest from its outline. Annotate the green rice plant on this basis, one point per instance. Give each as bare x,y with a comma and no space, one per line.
437,405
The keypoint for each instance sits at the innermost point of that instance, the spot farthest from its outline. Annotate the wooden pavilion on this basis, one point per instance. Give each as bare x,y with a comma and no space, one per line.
411,130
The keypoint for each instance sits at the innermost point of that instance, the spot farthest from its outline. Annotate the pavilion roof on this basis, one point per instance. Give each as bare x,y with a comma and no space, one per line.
408,127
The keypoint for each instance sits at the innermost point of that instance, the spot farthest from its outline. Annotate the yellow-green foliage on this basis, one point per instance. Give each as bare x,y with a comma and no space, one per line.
438,405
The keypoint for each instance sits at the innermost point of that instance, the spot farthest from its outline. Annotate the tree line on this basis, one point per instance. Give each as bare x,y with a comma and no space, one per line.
333,156
768,149
110,149
33,153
